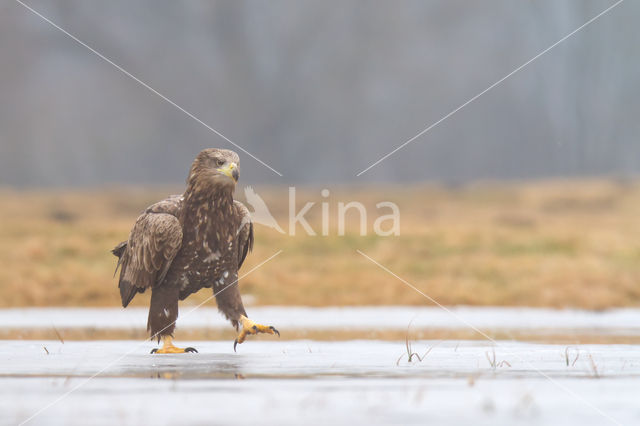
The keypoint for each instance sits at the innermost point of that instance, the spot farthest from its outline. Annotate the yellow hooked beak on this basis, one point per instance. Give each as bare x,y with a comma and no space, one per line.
230,170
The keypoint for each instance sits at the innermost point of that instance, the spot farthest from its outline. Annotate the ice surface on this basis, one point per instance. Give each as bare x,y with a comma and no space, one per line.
311,382
355,318
271,381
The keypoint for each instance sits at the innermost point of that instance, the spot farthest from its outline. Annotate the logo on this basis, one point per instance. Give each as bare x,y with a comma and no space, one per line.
384,225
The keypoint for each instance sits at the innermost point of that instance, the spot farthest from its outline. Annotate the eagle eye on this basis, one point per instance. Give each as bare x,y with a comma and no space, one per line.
219,162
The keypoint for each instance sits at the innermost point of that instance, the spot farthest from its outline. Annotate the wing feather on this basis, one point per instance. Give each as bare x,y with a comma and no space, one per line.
153,243
245,232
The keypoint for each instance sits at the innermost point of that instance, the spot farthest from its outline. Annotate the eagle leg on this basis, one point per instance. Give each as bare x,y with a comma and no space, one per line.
250,327
168,348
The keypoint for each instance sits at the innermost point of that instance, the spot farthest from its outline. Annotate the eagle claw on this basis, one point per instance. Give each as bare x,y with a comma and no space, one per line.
168,348
250,327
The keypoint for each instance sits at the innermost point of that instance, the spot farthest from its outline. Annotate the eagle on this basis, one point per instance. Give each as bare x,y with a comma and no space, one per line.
188,242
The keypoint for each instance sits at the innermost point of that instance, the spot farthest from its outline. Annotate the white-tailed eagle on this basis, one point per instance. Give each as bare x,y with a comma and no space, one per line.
190,241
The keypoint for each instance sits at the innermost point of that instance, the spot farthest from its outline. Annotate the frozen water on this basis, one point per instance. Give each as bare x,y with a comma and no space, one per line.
626,321
271,381
311,382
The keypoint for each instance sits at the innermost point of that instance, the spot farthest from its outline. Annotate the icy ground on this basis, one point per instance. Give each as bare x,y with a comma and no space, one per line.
311,382
616,321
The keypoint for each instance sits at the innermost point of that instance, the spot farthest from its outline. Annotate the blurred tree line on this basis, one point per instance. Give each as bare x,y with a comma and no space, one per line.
318,89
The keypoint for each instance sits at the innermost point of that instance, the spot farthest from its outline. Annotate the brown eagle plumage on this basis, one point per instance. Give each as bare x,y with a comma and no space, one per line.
187,242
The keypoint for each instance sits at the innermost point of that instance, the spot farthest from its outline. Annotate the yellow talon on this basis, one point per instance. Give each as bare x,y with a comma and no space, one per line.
250,327
168,348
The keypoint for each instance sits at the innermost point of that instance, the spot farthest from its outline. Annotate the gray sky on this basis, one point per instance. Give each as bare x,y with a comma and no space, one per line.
318,90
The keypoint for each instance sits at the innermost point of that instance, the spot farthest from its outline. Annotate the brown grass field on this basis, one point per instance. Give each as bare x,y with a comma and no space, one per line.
190,334
552,243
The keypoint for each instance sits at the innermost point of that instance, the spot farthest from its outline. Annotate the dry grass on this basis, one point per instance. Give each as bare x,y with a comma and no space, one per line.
563,243
228,334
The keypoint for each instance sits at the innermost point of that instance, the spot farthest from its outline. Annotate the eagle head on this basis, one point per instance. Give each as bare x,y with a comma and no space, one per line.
216,166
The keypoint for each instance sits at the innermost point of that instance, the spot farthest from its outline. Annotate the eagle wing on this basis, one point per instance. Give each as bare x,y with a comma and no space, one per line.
245,232
146,257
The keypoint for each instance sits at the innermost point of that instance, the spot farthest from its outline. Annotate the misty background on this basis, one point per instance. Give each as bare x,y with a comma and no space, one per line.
319,90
